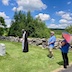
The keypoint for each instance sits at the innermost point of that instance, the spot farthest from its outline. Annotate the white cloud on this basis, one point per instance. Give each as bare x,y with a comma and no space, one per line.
43,17
2,14
68,2
14,8
5,2
60,13
7,18
70,22
63,21
52,20
26,5
65,15
60,26
8,22
66,18
20,8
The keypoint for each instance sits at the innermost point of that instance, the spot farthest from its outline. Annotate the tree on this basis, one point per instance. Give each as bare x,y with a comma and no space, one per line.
41,30
2,23
29,17
34,27
1,31
69,29
17,24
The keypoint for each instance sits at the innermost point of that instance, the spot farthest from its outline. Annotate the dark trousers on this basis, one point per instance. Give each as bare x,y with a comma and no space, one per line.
65,59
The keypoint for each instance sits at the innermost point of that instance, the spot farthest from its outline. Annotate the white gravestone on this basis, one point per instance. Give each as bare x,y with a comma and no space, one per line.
2,49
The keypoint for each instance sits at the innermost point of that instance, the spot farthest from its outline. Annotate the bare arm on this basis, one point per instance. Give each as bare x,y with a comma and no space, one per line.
62,43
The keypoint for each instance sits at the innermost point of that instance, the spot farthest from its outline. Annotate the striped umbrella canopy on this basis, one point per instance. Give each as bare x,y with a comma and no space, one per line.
67,37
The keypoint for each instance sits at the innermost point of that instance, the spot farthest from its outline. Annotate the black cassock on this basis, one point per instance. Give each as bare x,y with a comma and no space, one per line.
25,49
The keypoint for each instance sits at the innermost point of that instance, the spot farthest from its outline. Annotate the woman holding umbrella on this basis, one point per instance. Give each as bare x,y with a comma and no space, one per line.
65,48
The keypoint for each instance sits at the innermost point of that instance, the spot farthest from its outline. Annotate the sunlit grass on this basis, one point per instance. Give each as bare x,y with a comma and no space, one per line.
35,60
58,36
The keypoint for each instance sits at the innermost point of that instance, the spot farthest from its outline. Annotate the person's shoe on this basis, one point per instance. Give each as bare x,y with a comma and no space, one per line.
49,56
65,67
67,64
52,57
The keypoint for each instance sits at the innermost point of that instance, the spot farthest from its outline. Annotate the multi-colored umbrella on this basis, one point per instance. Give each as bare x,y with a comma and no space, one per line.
71,39
67,37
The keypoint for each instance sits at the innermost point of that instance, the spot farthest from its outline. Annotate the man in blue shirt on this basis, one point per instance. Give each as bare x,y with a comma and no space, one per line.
51,43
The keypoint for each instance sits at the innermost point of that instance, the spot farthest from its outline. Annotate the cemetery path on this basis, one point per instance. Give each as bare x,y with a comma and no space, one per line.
69,69
61,69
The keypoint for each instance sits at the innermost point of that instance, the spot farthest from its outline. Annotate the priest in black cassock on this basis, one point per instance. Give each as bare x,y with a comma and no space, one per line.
25,41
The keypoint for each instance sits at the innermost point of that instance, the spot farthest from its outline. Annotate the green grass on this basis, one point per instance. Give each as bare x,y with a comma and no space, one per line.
59,36
35,60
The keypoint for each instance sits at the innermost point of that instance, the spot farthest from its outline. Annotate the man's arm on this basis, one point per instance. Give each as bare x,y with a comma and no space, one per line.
53,40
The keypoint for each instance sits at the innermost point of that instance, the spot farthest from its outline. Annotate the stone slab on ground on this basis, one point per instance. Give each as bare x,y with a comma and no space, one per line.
2,49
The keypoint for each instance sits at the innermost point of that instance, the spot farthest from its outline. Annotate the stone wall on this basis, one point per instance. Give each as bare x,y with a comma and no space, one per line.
10,38
34,41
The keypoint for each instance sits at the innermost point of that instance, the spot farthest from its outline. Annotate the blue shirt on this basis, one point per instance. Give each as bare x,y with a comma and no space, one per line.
52,40
65,48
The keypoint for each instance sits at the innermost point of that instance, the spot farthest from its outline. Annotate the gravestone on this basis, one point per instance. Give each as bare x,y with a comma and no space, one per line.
2,49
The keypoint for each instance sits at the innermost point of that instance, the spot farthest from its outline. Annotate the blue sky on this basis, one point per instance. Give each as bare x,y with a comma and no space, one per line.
55,13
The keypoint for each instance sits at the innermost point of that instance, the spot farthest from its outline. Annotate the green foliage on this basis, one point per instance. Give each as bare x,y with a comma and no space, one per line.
34,27
69,29
6,30
18,24
41,30
58,31
3,24
1,31
2,21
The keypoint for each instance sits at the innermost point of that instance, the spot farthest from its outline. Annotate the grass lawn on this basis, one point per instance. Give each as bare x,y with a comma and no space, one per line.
58,36
35,60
